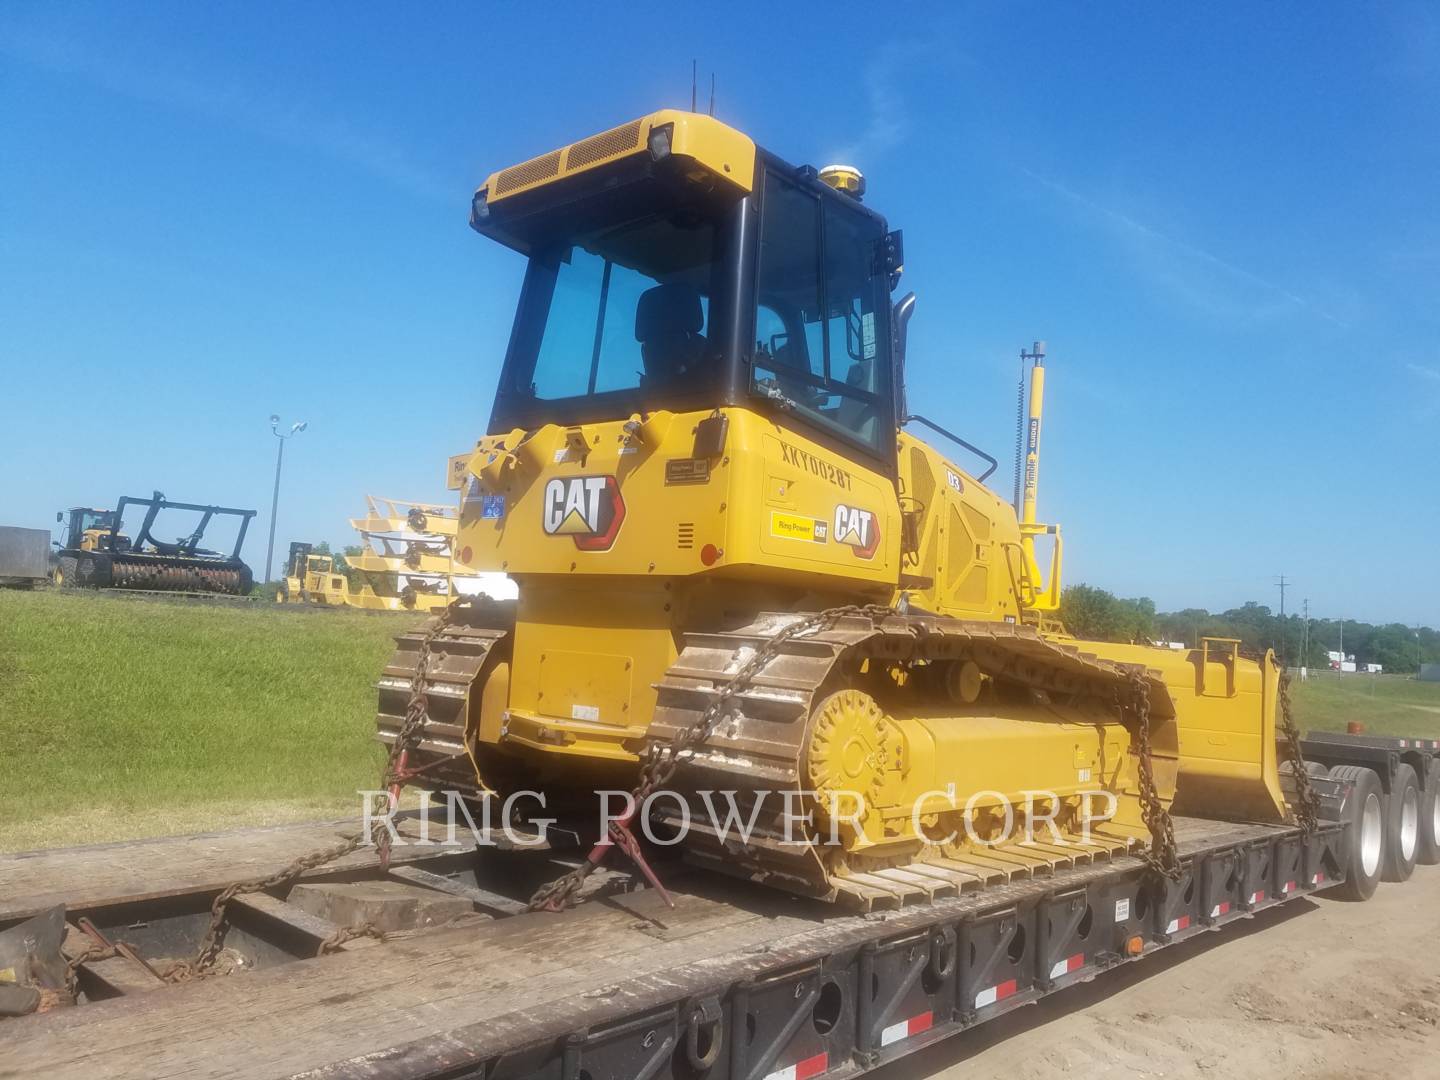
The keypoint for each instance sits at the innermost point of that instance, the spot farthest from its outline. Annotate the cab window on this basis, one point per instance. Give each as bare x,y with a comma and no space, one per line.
625,308
819,321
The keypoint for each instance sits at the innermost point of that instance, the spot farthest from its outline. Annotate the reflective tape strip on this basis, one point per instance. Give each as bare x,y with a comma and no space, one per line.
1317,879
1069,964
1288,887
1257,897
903,1030
1182,923
994,994
802,1070
1220,909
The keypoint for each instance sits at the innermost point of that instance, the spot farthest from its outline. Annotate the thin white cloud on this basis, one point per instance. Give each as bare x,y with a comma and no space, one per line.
1154,240
264,114
887,118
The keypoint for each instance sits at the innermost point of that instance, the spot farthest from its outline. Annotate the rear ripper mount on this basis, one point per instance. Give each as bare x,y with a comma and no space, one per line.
182,566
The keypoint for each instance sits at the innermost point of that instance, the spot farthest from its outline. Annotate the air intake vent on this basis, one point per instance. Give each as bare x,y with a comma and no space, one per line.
529,172
685,535
607,144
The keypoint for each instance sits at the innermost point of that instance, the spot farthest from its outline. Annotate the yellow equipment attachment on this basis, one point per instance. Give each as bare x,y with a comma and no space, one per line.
407,560
697,440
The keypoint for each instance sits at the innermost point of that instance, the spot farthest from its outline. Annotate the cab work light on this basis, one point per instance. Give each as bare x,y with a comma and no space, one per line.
660,141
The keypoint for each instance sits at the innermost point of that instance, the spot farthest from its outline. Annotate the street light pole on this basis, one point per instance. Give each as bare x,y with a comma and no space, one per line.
295,429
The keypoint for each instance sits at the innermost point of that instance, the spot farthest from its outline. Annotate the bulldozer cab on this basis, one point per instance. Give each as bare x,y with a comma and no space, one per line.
307,566
654,284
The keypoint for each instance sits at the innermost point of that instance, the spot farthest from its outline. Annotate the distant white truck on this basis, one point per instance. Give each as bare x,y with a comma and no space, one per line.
24,556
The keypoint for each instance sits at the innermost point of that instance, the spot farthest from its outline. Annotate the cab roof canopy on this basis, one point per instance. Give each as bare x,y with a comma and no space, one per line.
662,163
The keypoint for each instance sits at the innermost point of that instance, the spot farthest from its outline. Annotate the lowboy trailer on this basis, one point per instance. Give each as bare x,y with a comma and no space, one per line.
735,982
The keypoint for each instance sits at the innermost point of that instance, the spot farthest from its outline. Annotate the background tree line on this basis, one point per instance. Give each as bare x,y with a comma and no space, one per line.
1089,612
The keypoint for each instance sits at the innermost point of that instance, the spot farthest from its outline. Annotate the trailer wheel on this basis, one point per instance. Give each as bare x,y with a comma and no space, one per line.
1365,812
1402,826
1429,850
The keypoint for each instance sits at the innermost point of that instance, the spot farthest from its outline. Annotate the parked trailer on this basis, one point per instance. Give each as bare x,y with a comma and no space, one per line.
733,983
24,556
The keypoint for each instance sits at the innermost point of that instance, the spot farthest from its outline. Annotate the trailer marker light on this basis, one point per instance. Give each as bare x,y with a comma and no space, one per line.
1176,925
905,1028
1069,964
1221,909
995,993
708,554
802,1070
1134,946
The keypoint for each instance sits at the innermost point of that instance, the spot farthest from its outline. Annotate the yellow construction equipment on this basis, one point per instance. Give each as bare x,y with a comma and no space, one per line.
739,572
97,553
312,578
405,562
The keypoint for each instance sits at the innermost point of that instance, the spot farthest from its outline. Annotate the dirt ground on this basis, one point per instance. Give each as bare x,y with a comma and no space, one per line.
1321,989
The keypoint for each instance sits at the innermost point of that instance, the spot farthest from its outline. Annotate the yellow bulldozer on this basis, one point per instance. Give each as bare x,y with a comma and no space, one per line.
311,578
741,572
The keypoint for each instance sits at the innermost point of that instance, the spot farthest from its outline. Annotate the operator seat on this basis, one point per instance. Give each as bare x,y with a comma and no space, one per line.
668,321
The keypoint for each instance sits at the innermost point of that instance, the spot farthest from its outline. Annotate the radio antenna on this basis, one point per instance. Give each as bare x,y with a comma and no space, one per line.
712,93
692,85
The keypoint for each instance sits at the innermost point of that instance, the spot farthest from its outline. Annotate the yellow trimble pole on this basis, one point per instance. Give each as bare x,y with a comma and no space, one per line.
1032,460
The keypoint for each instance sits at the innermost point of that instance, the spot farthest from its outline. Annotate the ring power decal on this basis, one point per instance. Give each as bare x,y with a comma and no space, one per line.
798,527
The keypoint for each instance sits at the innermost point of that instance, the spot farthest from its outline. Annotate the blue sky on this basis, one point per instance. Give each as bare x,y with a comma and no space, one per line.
1222,221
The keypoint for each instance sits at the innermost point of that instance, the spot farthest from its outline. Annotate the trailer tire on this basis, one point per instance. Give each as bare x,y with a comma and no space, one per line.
1365,812
1428,853
1402,825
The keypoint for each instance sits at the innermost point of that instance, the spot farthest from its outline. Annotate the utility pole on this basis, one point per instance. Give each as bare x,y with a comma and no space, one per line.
1305,636
295,429
1283,585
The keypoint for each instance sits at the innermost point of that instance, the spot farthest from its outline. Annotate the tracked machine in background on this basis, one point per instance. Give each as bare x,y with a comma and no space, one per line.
311,578
739,570
96,553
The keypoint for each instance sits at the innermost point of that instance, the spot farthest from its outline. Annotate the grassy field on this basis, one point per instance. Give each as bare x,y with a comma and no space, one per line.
124,717
127,717
1385,704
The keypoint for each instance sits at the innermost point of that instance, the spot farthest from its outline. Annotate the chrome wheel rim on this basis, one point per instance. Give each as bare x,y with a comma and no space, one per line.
1371,833
1409,824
